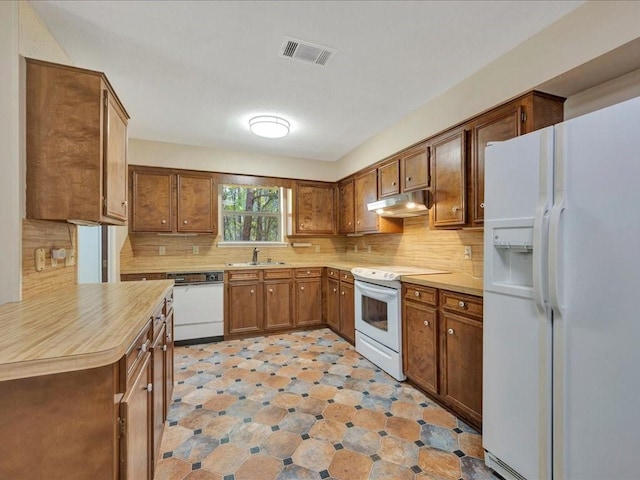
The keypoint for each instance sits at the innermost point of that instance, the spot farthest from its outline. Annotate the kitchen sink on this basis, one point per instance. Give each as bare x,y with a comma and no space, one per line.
253,264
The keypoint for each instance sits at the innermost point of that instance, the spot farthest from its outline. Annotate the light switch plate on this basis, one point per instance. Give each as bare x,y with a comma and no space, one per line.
40,258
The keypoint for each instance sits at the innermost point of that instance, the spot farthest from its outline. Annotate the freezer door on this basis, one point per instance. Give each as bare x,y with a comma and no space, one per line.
594,284
517,323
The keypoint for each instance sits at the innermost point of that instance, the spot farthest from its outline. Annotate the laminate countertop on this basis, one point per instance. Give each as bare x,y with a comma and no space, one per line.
455,281
75,328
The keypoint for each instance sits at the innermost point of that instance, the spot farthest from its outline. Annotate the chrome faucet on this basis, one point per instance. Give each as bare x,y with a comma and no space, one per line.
255,255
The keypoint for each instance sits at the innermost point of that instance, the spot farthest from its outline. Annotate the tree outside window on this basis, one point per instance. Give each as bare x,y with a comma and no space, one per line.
251,214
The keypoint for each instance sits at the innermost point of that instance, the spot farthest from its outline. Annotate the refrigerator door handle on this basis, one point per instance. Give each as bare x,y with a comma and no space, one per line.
540,219
554,255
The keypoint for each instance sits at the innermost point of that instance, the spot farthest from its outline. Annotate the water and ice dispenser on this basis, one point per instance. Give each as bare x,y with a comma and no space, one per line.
512,255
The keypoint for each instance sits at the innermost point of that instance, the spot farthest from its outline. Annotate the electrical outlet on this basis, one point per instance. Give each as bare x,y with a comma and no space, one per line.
70,259
162,250
195,249
40,257
467,252
317,248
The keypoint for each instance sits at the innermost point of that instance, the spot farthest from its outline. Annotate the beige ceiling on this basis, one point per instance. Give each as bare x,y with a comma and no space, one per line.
194,72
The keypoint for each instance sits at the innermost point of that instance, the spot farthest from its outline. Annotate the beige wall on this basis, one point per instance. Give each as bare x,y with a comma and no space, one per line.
10,179
145,152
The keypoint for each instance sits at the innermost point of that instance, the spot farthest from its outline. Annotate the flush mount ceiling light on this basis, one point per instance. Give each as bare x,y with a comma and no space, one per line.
269,126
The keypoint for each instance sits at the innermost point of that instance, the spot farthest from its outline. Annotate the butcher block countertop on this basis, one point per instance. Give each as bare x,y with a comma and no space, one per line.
75,328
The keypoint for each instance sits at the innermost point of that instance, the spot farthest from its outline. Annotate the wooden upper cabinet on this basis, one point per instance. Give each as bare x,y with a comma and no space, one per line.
168,201
414,168
197,204
494,127
528,113
346,212
389,179
448,154
314,208
151,207
366,191
76,144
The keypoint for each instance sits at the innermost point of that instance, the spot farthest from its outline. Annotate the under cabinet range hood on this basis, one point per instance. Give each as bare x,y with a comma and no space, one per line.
403,205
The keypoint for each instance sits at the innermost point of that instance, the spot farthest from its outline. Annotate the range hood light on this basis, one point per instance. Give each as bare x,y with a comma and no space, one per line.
409,204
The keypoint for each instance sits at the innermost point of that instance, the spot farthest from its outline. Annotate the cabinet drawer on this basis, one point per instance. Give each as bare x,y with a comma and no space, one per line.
418,293
269,273
346,276
137,350
460,303
158,320
308,272
333,273
168,303
243,275
135,277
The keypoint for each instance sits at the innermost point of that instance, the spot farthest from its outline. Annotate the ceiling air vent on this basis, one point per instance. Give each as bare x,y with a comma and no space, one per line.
305,51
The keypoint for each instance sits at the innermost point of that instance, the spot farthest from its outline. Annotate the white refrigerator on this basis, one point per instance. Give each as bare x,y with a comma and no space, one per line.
561,380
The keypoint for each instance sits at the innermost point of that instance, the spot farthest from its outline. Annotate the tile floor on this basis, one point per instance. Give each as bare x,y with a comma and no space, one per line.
303,406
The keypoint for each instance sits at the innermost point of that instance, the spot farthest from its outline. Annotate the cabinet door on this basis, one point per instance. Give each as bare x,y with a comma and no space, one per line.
347,312
389,179
135,409
314,212
498,126
197,204
346,213
168,369
158,365
449,179
462,364
415,169
277,304
115,159
309,301
244,308
420,344
366,191
152,209
333,303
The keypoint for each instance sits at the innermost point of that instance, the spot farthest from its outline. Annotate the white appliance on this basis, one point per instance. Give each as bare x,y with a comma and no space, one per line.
198,307
378,314
561,317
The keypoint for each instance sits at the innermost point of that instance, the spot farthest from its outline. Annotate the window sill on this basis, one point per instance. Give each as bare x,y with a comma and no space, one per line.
252,244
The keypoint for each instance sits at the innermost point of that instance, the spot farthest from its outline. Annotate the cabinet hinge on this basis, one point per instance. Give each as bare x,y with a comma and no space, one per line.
123,426
523,116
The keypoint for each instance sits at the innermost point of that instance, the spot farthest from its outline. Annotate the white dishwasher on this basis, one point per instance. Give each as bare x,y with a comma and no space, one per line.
198,307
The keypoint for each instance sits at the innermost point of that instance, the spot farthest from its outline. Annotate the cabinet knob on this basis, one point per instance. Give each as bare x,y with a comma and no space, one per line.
482,205
164,348
335,290
308,272
301,288
358,222
144,347
251,292
163,221
149,387
168,337
461,304
393,184
342,293
455,209
185,222
331,273
301,225
417,294
349,223
346,276
144,279
408,179
124,204
271,290
426,323
450,331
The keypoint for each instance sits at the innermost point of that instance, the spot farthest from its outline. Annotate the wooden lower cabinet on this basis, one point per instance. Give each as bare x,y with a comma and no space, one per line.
278,296
442,347
158,353
333,303
340,307
462,364
347,312
244,308
168,360
308,301
420,345
136,411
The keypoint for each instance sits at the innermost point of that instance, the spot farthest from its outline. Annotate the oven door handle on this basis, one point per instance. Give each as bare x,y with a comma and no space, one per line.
380,292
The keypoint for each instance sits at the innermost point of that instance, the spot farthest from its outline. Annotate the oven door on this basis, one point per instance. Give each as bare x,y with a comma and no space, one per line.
378,313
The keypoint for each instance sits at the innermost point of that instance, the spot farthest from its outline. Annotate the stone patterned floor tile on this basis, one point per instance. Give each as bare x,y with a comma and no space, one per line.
259,466
347,464
306,405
